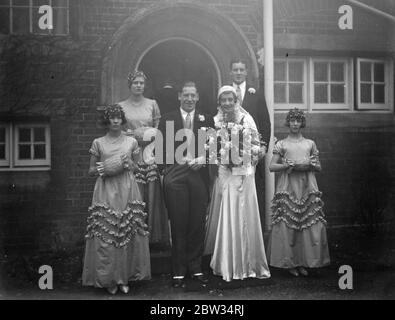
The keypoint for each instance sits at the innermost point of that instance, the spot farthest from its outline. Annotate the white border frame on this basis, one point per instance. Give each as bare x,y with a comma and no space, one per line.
348,80
388,86
286,106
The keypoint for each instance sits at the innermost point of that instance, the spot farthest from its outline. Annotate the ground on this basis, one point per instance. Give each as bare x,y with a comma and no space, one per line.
371,257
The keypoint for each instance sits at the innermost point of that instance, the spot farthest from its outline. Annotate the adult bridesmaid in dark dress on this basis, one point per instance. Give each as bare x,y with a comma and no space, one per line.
143,114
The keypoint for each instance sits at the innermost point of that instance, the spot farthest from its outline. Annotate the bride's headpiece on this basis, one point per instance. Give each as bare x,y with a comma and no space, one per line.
226,89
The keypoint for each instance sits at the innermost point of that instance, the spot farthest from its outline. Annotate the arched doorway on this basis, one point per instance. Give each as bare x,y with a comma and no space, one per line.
214,38
177,61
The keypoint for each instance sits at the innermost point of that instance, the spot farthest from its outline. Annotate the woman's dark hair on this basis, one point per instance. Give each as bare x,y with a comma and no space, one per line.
296,114
133,75
114,110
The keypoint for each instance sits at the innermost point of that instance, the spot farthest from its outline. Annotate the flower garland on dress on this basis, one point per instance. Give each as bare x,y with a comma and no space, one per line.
114,227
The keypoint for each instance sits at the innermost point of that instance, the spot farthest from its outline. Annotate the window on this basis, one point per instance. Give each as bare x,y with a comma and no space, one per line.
327,84
375,85
22,16
290,83
4,145
330,84
25,146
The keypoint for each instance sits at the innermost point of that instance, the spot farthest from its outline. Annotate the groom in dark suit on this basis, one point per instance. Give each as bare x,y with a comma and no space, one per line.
251,99
186,184
254,102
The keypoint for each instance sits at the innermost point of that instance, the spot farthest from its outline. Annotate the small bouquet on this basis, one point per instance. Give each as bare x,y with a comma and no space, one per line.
305,164
113,166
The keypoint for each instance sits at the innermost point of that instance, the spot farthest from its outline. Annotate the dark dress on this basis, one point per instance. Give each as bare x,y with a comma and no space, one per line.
147,115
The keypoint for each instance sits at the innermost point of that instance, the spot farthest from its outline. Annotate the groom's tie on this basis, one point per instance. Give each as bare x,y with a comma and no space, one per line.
239,96
188,121
188,125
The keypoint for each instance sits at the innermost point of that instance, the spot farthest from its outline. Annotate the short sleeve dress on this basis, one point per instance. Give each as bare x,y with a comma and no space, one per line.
298,237
117,247
147,115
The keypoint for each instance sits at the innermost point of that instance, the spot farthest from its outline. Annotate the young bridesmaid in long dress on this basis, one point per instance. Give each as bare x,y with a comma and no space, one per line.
117,248
298,238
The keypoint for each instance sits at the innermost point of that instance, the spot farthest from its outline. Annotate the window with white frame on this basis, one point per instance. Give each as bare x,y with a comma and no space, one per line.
22,16
25,146
290,83
374,84
330,84
4,145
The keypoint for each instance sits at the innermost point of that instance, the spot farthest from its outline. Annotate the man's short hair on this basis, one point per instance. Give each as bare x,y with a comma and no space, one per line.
238,60
189,84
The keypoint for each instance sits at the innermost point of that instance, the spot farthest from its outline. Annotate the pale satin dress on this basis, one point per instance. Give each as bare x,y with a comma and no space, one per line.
147,114
234,235
117,247
298,236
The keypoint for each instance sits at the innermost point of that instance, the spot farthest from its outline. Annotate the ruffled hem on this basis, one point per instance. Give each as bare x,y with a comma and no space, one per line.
114,227
146,173
301,202
298,214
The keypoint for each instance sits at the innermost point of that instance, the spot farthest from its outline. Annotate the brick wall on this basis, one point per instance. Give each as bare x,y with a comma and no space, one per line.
61,79
357,157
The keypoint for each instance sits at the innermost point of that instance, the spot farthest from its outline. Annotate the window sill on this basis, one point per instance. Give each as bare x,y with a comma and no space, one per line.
4,169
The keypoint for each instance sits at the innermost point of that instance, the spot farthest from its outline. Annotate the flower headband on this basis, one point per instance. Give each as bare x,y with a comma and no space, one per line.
296,114
113,111
133,75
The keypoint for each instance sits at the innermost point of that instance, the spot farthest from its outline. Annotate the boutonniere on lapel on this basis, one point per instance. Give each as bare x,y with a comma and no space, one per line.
201,118
251,91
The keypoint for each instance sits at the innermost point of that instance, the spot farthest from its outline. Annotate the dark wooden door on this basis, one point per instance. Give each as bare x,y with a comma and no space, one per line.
178,61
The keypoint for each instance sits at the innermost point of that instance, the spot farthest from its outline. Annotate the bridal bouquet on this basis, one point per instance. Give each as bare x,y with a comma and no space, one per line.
233,145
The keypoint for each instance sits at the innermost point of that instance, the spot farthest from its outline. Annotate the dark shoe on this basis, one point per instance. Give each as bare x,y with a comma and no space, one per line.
201,278
178,283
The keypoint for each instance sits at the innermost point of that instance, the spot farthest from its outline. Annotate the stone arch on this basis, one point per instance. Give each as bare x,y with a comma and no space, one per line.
218,35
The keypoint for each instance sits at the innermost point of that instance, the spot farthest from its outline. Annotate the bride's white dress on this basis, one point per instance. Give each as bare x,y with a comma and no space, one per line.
234,235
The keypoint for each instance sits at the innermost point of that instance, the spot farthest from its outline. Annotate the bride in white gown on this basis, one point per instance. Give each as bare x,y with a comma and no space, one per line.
234,235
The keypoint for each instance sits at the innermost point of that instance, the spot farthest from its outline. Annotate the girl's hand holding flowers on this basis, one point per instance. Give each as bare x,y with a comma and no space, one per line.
100,169
290,165
128,164
315,163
